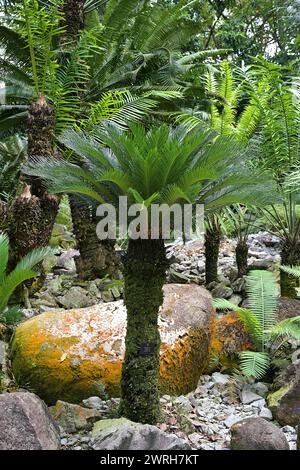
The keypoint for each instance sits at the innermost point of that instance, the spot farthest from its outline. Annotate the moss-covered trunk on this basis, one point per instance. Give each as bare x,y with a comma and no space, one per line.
290,256
3,216
144,273
241,256
32,214
212,248
97,258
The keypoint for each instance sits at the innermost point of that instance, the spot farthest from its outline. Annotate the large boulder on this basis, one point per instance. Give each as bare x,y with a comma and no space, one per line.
25,423
72,417
285,402
257,434
76,354
122,434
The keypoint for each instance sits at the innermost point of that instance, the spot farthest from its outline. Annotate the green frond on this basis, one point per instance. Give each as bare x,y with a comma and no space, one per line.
262,292
289,328
4,247
254,364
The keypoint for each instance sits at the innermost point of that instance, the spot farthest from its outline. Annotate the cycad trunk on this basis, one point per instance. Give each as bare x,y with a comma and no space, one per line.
212,248
290,256
3,216
144,273
32,214
97,258
73,21
241,256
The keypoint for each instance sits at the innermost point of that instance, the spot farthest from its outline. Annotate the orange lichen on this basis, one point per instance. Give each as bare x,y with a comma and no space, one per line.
229,337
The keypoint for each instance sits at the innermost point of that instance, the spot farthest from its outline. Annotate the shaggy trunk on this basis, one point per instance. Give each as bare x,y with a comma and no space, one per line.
290,256
241,256
96,259
144,273
212,248
3,216
73,21
32,214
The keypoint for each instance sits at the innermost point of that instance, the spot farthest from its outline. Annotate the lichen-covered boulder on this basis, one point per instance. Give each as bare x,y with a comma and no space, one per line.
257,434
228,337
78,353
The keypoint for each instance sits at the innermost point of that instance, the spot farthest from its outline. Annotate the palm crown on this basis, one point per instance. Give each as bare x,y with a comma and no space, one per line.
161,165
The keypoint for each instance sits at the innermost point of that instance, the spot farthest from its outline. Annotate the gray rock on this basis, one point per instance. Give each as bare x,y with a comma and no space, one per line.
257,434
298,438
72,417
126,435
25,423
239,285
236,299
288,429
222,292
183,403
266,414
94,402
260,388
231,420
219,378
246,396
75,297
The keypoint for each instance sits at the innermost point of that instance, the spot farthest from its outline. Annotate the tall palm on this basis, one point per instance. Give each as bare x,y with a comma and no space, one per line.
161,165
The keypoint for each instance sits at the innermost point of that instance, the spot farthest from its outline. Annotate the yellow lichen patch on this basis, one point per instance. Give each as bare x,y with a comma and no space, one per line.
228,338
78,353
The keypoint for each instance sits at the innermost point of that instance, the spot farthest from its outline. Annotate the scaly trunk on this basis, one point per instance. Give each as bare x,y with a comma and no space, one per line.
241,256
32,214
212,248
3,216
144,274
97,259
290,256
73,21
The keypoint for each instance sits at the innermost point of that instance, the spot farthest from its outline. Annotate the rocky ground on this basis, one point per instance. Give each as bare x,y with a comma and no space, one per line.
202,418
63,290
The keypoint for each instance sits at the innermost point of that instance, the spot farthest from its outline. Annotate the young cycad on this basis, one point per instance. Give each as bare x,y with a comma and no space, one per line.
260,321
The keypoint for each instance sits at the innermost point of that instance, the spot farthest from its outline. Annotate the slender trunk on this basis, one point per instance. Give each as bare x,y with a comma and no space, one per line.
96,259
290,256
144,273
32,214
212,248
241,256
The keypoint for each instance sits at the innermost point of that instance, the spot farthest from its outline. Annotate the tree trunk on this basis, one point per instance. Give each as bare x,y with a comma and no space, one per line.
212,248
32,214
97,258
3,216
241,256
144,273
290,256
73,21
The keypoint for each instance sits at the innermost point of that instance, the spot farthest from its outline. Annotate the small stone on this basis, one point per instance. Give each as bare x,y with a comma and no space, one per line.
231,420
266,414
288,429
94,402
259,403
219,378
246,396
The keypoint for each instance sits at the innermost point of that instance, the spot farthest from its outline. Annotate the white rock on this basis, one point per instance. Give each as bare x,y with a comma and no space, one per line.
231,420
266,414
219,378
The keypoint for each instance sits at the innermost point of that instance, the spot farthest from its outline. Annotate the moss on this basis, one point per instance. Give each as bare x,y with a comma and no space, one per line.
144,274
275,397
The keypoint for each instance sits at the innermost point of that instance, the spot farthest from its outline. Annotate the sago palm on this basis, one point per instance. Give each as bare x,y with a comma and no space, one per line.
22,272
260,322
159,165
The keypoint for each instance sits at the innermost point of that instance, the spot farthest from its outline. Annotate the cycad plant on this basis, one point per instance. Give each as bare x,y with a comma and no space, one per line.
22,272
158,165
260,322
279,101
